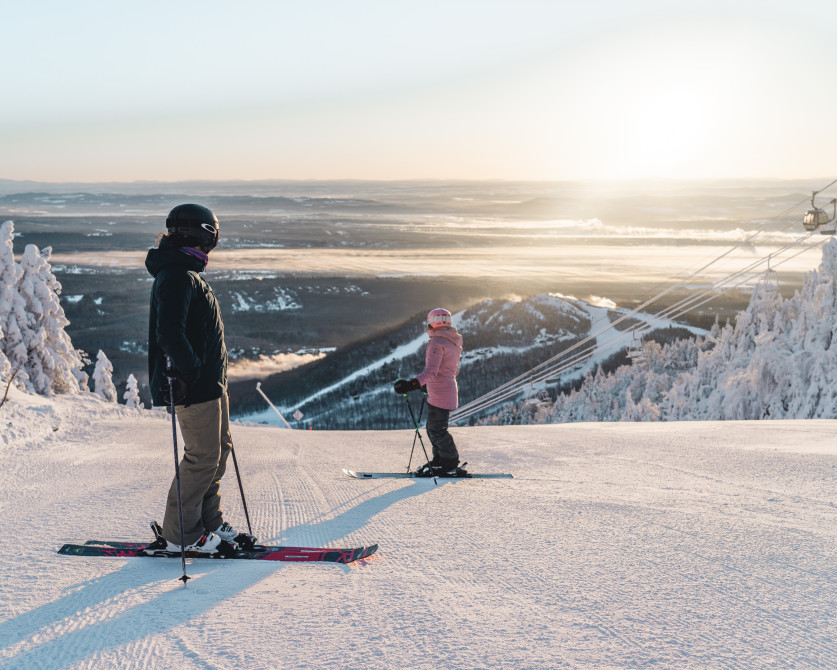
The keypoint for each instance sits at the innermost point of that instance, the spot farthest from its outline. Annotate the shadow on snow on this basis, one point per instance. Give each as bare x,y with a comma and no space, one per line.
167,605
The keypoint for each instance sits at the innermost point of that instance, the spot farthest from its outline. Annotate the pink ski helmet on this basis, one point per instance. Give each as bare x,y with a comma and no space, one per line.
438,318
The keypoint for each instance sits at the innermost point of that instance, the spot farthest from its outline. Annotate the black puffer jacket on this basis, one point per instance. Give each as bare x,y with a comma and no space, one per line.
185,324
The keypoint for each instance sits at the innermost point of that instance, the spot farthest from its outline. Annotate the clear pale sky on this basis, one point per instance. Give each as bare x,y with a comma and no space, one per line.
482,89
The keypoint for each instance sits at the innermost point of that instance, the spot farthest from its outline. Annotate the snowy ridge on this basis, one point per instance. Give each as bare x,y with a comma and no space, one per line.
613,339
491,330
608,342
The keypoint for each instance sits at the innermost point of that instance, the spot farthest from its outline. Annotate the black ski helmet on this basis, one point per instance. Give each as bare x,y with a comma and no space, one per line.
193,226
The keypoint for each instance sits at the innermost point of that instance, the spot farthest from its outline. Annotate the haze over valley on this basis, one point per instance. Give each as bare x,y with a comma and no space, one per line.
304,269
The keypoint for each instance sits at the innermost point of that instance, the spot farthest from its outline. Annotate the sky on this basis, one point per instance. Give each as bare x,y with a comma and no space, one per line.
437,89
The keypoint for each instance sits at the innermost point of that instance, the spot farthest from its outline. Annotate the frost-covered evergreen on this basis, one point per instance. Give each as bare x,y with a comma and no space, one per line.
5,366
52,364
103,378
13,316
131,395
778,361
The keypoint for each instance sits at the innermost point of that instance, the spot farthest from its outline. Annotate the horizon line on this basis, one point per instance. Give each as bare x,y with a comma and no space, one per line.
467,180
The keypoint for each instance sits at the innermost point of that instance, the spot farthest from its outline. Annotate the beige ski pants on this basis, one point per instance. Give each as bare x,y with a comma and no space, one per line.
207,443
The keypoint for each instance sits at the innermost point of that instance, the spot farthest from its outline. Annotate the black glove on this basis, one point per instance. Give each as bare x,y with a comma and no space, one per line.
181,387
403,386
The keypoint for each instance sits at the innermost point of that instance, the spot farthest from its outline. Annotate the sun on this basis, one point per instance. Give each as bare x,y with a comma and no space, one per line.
668,123
665,101
663,132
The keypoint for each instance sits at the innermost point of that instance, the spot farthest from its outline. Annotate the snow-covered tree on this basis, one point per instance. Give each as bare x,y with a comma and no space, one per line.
777,361
103,378
5,366
13,315
131,395
51,361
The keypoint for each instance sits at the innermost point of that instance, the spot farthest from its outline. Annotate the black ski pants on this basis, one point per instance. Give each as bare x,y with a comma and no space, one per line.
444,448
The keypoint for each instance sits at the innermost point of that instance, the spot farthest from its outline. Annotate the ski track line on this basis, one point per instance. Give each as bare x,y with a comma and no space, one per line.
310,501
743,485
75,630
697,537
274,511
259,470
827,580
264,498
709,572
302,495
752,573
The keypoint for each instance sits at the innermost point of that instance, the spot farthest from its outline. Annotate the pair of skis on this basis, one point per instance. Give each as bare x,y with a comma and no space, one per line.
412,475
246,550
116,549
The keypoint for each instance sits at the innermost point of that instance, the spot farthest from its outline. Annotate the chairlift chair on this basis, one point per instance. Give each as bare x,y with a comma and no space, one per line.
817,217
814,218
770,279
634,349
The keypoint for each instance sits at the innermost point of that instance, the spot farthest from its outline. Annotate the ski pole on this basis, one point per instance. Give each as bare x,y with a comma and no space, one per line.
241,488
415,423
177,473
417,434
259,389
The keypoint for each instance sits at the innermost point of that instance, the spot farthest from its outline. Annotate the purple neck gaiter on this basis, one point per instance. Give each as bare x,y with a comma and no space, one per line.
197,253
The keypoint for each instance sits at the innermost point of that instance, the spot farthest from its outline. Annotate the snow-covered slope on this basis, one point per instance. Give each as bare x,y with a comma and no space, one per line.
676,545
502,338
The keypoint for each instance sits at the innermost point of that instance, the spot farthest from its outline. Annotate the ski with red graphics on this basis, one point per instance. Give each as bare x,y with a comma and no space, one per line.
258,553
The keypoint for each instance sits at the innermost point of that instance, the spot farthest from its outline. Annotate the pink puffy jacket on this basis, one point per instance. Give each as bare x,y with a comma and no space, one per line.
441,365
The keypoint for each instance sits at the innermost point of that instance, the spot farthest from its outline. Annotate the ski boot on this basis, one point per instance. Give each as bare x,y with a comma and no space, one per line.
426,470
208,543
452,470
229,534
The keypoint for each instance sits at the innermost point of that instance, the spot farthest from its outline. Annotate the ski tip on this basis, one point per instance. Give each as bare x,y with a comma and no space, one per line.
356,475
365,552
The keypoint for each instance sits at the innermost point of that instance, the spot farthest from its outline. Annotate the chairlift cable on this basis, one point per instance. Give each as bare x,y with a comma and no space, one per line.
741,243
593,349
545,369
719,283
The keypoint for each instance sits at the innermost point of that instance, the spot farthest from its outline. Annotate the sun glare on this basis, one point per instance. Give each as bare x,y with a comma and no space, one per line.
664,130
667,101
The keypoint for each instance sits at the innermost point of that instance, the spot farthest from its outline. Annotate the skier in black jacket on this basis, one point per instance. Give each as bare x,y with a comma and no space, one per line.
186,342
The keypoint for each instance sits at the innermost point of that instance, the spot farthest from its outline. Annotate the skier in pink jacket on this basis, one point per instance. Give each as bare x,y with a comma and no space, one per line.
439,377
